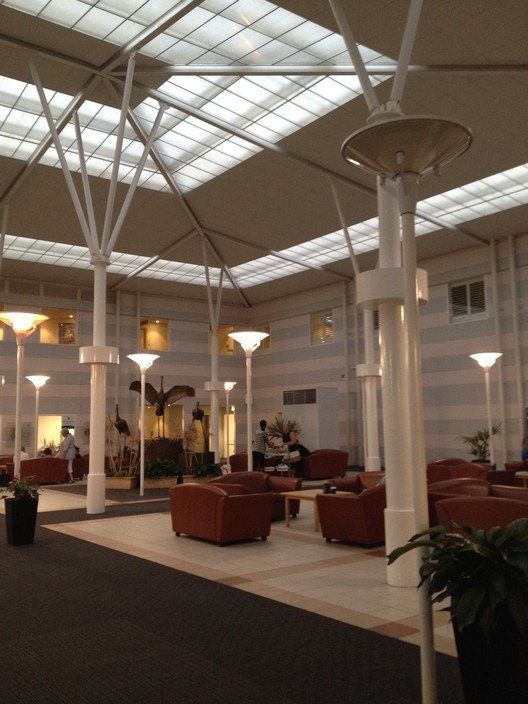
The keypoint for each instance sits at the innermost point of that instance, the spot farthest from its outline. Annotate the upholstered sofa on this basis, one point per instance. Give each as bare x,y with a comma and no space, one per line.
482,512
322,464
260,482
46,470
219,514
356,518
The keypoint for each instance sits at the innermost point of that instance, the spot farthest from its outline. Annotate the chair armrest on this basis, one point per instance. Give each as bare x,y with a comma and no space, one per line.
280,484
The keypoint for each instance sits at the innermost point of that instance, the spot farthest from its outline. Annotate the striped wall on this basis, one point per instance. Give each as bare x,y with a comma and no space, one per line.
453,385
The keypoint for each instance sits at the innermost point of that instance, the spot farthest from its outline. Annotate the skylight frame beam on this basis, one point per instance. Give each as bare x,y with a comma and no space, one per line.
171,182
278,255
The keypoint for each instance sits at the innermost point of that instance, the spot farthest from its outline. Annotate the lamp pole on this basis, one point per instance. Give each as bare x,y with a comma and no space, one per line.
486,360
38,381
144,362
22,324
249,341
228,386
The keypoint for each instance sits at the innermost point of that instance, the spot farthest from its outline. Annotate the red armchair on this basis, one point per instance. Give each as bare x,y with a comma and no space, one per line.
260,482
356,518
212,513
437,472
481,512
322,464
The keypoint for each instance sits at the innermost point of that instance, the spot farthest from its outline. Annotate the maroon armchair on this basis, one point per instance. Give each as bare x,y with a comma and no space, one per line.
212,513
481,512
260,482
437,472
322,464
356,518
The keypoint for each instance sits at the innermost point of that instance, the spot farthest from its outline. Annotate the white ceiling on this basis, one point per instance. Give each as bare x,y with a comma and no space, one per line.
469,64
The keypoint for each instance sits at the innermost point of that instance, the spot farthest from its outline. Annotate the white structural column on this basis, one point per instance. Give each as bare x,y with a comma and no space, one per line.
98,356
369,372
249,341
228,386
22,324
215,390
399,525
38,381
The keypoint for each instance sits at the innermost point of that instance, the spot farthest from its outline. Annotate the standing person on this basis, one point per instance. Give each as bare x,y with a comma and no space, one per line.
67,451
23,454
262,442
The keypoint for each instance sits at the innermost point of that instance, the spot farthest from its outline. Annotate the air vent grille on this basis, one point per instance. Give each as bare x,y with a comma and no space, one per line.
299,397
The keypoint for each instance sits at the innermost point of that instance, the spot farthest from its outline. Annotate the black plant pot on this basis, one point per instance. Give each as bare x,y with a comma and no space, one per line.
21,518
493,669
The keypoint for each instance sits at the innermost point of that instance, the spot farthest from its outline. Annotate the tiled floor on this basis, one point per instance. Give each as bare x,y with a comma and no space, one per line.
294,566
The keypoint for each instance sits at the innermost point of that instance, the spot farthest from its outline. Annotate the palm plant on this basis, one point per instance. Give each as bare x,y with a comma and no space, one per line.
479,442
280,426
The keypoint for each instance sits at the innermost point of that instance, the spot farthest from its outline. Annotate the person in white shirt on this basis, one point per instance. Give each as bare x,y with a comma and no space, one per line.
67,451
23,454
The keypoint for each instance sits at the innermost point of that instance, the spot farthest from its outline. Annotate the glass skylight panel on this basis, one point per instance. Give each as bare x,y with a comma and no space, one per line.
63,12
240,31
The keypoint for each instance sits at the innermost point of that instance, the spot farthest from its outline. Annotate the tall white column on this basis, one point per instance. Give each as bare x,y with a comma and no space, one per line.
98,356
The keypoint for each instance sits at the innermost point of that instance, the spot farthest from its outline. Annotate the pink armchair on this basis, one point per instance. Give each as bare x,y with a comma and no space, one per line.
212,513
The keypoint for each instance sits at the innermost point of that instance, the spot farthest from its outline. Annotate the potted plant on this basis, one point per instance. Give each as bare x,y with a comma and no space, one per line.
484,575
478,443
21,503
279,426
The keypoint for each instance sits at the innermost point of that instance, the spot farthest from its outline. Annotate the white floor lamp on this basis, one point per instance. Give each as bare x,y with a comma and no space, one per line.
22,324
249,341
486,360
144,362
38,381
228,386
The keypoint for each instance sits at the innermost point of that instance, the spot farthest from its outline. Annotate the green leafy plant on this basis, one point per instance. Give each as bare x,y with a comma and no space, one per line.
478,443
21,489
162,468
206,470
483,573
279,426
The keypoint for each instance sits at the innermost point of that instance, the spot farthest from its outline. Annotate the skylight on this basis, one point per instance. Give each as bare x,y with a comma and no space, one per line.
490,195
218,32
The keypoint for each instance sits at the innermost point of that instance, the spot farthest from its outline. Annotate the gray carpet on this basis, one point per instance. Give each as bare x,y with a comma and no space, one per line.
84,624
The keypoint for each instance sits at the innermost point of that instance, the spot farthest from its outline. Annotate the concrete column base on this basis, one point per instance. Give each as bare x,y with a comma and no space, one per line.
95,494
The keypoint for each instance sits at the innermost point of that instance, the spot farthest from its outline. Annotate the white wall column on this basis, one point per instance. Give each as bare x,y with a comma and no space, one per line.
98,356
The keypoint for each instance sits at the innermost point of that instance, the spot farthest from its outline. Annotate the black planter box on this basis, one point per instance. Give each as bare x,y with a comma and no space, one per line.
21,518
493,669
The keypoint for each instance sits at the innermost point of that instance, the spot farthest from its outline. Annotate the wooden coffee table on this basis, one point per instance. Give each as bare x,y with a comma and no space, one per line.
523,476
306,495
